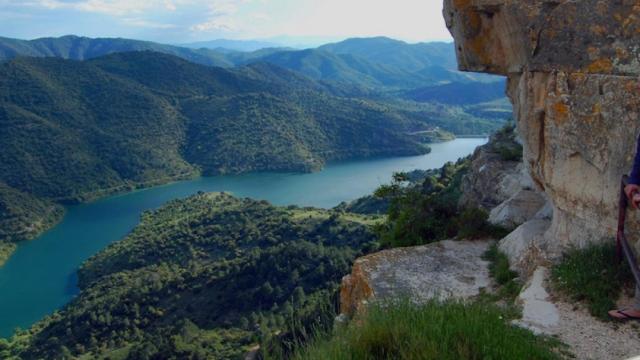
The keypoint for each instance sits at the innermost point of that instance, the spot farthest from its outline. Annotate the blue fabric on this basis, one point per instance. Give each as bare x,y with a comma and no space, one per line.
634,178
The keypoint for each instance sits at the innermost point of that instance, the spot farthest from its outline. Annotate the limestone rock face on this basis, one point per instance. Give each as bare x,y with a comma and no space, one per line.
447,269
527,247
514,36
572,68
490,182
518,209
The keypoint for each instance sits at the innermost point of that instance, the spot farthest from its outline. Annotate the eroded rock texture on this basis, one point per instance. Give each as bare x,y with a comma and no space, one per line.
443,270
573,69
491,179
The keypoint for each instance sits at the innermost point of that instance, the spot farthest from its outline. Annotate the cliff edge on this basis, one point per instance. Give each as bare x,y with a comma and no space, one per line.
572,68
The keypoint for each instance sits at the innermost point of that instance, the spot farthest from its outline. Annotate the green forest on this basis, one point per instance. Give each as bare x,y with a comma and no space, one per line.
85,118
76,131
206,277
214,276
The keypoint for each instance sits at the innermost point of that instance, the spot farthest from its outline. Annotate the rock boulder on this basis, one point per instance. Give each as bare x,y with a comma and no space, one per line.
518,209
447,269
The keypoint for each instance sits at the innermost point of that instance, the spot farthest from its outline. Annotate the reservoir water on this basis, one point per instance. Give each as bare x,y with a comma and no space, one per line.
41,276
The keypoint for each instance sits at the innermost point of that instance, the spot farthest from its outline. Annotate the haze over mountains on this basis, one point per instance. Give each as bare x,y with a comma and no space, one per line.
225,45
366,62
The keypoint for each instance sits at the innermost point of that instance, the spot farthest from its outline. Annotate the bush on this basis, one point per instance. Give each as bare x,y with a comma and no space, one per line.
426,212
507,280
592,276
511,153
435,330
499,265
473,224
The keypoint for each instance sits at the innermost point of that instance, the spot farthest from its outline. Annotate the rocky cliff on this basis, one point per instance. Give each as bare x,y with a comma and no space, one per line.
572,68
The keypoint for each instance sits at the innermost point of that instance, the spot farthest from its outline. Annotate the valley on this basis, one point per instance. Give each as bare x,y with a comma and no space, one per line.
156,182
87,118
88,228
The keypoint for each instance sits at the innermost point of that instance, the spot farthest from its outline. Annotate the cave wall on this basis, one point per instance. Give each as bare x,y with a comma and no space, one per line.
573,71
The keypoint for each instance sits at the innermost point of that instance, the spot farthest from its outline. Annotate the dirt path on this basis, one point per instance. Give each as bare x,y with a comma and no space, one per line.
587,337
590,338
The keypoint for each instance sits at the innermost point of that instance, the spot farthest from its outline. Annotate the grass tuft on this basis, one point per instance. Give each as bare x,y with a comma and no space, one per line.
507,280
436,330
593,276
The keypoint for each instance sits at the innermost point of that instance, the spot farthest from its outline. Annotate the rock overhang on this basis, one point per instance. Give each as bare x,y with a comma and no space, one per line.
572,69
509,36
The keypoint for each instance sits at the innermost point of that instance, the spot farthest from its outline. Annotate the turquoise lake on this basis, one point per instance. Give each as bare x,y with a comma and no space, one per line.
41,276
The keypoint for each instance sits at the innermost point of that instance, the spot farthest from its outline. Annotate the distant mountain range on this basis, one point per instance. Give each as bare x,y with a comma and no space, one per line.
233,45
371,63
140,116
83,48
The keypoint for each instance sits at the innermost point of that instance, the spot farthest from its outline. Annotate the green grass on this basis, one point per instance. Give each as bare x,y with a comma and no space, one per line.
499,265
507,280
434,330
592,276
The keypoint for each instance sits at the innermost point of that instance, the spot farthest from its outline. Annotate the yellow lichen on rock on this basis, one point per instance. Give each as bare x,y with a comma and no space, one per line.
572,68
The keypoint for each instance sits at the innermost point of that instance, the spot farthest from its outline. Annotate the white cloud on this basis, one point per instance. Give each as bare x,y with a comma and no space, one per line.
108,7
180,20
219,24
137,22
221,16
405,19
260,16
169,5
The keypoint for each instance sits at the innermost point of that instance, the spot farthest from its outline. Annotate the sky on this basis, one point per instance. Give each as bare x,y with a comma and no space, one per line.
183,21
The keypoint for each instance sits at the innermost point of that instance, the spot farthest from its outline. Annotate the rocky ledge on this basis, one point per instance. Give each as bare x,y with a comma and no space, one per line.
443,270
572,68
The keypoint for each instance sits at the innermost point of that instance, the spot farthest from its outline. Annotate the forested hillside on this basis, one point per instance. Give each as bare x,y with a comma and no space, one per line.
203,278
75,131
78,130
83,48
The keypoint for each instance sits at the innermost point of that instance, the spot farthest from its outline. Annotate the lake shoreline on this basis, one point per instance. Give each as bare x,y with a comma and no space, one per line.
35,291
131,187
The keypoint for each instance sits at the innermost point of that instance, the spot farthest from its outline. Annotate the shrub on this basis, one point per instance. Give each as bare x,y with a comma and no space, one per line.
511,153
507,280
593,276
473,224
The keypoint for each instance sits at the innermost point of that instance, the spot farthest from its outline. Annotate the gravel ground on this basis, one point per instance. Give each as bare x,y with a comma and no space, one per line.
590,338
587,337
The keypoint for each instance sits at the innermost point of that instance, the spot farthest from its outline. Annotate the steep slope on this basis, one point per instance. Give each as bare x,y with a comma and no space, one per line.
434,61
74,131
82,48
323,65
202,278
397,54
459,93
